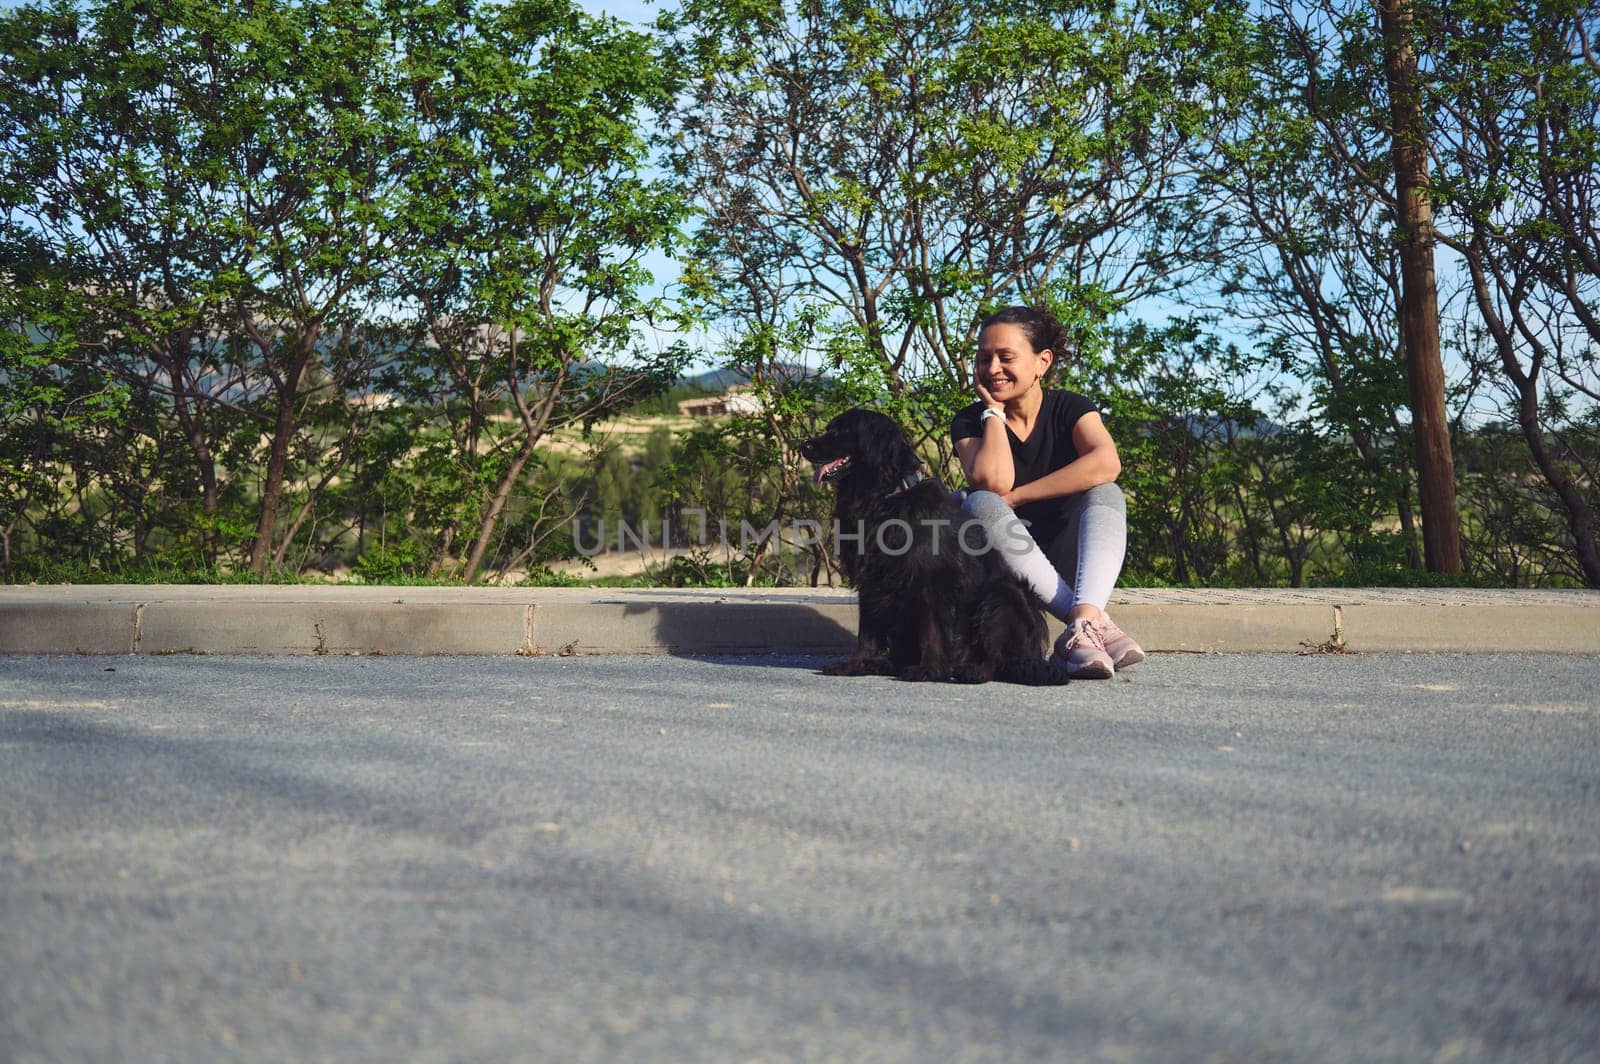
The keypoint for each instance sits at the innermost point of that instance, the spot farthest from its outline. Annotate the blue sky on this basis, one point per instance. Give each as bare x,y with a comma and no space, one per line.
639,11
644,12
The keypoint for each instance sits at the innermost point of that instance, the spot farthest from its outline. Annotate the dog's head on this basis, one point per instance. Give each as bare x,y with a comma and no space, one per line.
862,448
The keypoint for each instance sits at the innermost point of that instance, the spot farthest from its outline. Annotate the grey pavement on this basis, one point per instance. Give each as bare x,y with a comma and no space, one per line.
340,620
1239,857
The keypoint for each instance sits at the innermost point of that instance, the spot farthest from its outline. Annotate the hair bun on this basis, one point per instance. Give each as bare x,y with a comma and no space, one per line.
1038,324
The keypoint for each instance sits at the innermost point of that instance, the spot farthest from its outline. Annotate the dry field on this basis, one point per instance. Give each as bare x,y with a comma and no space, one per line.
628,433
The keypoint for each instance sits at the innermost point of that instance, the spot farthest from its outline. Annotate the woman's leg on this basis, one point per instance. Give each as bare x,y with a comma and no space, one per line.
1092,546
1007,534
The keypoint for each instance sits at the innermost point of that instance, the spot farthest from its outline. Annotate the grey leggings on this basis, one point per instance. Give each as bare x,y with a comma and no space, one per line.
1091,545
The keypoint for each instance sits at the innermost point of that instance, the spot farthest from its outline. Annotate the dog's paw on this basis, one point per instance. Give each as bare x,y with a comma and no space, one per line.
1033,672
969,674
918,674
859,667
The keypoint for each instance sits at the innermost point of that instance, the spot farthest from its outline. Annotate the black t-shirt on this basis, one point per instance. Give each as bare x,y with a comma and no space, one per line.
1047,449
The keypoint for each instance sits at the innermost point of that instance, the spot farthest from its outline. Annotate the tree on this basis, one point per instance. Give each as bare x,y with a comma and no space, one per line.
536,212
314,139
1306,263
1519,89
1329,178
263,221
890,169
110,210
1487,121
875,176
1419,292
217,184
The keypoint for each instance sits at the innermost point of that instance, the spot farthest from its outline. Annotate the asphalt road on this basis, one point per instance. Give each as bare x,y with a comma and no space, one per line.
1234,857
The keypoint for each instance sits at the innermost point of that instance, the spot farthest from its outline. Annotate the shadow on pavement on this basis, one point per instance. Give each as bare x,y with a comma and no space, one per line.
795,635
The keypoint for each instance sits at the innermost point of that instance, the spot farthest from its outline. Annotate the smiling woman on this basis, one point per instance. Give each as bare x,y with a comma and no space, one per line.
1043,458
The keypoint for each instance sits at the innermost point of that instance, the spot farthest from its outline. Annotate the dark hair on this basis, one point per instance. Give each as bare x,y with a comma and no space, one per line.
1039,325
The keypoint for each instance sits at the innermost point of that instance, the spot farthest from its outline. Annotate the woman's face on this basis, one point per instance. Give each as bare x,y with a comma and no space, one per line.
1007,364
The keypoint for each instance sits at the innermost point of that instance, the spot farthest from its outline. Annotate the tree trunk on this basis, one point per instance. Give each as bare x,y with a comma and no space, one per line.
5,539
261,551
497,506
272,485
1579,520
534,423
441,551
193,425
1579,516
1419,295
307,508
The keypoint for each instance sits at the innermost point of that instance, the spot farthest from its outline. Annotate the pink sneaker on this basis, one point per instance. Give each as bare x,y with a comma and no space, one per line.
1081,651
1119,644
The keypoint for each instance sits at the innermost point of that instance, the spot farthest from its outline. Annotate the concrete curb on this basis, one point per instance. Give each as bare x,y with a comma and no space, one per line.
296,619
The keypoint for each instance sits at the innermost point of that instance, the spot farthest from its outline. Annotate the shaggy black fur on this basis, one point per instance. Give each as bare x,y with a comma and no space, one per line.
931,609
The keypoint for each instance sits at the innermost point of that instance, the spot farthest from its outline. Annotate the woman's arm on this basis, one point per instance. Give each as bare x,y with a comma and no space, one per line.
986,459
1097,463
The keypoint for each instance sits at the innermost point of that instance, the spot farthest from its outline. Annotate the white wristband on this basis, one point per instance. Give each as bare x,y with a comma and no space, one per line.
989,412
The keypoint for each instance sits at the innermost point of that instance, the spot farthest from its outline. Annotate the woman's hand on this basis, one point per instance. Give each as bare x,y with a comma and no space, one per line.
983,394
992,470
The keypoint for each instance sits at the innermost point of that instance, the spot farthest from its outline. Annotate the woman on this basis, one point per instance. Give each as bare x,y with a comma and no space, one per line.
1044,457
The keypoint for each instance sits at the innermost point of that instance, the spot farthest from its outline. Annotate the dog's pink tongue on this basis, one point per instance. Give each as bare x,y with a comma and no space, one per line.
824,469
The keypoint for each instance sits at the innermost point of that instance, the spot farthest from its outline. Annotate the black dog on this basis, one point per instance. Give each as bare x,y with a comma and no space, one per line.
935,602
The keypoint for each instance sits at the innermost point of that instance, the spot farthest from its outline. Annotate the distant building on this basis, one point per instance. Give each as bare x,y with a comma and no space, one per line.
737,401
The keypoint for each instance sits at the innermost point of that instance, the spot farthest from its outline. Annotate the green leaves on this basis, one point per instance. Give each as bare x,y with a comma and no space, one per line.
351,260
256,217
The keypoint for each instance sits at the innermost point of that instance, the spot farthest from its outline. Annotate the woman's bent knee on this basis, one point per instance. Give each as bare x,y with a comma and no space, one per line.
984,504
1109,495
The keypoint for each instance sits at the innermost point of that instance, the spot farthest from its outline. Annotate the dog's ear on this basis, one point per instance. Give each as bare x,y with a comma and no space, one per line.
885,447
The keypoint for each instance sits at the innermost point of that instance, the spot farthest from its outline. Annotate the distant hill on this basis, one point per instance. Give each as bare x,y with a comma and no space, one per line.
714,382
1212,425
717,381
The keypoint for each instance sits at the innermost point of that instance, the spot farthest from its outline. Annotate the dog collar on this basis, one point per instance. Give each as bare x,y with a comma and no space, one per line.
907,483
